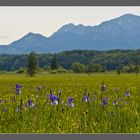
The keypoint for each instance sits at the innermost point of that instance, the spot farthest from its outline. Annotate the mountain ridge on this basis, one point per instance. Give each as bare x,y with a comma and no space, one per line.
119,33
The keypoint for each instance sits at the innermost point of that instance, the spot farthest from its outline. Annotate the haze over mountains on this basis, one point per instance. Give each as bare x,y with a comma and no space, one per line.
119,33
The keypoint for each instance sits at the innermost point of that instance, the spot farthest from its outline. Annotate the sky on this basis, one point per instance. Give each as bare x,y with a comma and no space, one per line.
15,22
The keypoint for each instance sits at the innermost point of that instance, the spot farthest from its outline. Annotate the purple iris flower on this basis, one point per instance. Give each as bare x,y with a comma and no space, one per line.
103,87
104,101
70,100
127,94
85,99
30,102
53,97
0,101
18,88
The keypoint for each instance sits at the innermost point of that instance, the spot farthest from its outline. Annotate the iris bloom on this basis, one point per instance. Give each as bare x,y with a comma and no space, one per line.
103,87
70,101
127,94
86,98
104,101
18,89
30,103
54,99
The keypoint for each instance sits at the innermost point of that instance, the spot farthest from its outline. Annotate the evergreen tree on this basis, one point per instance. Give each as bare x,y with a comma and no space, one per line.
136,69
119,69
54,64
32,64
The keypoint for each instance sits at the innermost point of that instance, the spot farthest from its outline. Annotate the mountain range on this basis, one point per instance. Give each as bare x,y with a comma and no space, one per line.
118,33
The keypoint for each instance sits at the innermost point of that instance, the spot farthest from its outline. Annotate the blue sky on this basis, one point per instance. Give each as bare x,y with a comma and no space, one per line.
15,22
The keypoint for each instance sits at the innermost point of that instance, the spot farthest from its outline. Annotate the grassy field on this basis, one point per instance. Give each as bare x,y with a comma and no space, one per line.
122,116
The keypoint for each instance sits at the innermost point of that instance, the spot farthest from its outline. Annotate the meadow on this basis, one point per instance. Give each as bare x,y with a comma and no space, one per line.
114,110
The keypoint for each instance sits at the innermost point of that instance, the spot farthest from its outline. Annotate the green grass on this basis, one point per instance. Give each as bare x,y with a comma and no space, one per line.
91,117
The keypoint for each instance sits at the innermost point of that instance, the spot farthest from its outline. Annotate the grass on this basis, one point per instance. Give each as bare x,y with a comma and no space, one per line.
85,117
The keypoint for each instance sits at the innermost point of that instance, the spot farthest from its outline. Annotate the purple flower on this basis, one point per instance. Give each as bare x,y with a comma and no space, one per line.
70,100
127,94
53,97
0,101
29,102
18,89
17,86
103,87
104,101
85,99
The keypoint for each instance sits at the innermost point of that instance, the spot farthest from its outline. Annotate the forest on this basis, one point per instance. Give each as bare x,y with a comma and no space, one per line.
77,60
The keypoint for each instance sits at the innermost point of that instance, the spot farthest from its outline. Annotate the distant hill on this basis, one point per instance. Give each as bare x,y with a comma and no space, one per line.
119,33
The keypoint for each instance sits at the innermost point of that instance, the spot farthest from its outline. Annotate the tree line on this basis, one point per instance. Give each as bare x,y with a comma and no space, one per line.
77,60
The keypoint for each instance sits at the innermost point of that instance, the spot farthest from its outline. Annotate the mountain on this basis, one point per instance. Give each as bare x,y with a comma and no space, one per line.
31,42
119,33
